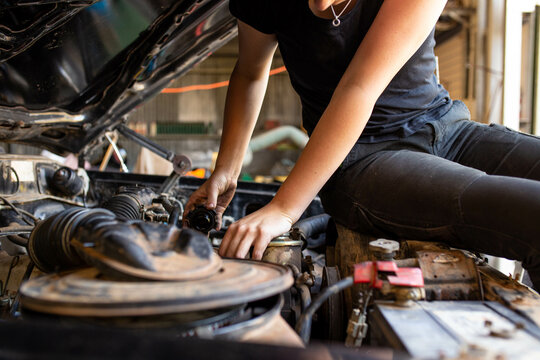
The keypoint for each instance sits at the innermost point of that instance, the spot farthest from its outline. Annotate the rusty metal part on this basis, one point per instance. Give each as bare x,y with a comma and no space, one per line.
174,267
132,249
15,230
258,321
502,288
449,275
412,262
410,248
85,293
284,251
267,328
384,249
351,248
181,165
406,296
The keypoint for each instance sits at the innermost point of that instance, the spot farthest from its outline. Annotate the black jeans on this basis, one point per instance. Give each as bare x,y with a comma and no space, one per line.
469,185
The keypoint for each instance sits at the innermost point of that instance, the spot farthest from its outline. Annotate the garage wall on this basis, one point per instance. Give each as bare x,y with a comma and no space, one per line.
281,103
452,62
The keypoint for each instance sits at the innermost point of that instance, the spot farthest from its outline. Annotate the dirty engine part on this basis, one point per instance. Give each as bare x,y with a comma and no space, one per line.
133,249
86,293
201,219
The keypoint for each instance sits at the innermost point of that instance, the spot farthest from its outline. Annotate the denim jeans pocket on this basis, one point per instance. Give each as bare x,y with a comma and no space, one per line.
448,126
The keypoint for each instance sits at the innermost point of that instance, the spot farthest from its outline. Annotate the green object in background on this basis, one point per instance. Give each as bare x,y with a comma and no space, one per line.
183,128
246,177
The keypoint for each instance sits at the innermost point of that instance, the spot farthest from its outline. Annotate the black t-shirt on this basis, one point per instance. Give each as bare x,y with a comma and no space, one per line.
317,54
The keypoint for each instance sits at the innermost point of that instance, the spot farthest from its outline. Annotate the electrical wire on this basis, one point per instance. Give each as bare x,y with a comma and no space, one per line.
303,327
212,86
20,212
17,177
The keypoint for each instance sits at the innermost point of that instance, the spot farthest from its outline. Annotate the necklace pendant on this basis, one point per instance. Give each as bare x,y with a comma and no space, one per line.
336,22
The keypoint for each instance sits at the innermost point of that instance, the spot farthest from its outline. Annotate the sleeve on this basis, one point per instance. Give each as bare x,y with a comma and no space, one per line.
255,13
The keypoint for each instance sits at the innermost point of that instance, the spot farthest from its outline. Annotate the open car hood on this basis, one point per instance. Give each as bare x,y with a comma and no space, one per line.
70,70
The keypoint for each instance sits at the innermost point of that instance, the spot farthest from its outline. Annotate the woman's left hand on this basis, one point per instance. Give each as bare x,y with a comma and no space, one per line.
257,230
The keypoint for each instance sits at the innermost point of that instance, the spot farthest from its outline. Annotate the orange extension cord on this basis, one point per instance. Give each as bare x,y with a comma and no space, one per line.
211,86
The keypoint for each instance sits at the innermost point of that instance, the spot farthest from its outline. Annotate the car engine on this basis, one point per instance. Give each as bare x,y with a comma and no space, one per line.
106,250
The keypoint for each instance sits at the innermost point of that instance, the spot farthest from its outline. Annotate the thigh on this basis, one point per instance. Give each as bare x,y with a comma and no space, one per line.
497,150
399,194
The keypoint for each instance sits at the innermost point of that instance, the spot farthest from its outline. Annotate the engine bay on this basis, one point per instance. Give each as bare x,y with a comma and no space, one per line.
105,250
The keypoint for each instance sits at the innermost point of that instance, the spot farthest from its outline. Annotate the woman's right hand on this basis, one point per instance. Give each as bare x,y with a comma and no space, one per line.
215,194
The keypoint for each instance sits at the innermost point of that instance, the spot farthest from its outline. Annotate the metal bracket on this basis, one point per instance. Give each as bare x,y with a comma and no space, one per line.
181,163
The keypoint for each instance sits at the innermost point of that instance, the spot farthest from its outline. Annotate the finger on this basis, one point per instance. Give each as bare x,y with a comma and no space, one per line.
259,246
218,221
240,236
243,246
195,198
228,241
212,196
225,242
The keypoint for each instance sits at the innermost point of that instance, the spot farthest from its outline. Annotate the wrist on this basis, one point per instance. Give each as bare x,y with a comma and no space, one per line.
229,174
291,213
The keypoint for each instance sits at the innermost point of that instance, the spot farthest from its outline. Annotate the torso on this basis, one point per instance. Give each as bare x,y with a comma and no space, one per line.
317,54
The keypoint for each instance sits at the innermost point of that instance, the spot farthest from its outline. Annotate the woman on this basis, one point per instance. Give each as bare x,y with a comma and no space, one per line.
399,158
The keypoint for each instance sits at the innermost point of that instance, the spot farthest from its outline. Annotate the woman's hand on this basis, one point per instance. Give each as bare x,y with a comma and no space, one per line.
257,230
215,194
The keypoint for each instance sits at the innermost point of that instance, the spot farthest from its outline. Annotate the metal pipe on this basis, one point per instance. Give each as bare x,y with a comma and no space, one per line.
297,136
305,296
15,230
302,288
141,140
264,140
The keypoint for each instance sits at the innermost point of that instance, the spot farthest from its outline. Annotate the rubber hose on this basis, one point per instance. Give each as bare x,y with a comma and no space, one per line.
303,327
18,240
175,215
311,227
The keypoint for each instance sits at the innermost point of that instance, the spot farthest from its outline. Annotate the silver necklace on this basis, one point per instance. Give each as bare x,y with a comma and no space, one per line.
336,20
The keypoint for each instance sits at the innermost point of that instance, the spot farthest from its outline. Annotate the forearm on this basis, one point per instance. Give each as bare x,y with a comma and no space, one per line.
243,103
328,146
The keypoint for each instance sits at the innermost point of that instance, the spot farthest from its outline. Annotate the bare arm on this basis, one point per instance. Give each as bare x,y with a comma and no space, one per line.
396,34
244,99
